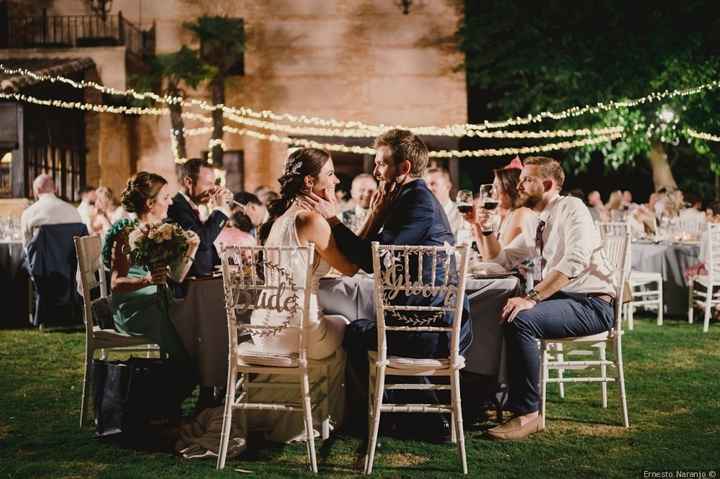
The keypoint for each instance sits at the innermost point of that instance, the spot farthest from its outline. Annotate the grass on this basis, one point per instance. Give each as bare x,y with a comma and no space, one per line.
672,381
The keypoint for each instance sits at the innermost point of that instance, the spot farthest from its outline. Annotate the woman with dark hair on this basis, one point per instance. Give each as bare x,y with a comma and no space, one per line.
139,307
308,170
512,216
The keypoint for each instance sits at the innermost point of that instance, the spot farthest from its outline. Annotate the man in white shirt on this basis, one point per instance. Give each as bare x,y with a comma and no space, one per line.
47,210
87,204
573,294
362,190
438,181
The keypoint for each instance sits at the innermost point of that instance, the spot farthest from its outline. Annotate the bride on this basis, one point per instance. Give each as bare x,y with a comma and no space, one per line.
308,170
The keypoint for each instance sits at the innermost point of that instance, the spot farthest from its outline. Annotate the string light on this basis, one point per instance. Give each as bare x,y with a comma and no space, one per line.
702,135
267,114
433,154
304,142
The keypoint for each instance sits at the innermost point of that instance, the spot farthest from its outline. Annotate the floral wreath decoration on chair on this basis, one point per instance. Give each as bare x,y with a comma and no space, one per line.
244,301
394,274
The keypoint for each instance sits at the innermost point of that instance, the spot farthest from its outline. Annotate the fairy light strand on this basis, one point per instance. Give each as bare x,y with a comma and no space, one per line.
267,114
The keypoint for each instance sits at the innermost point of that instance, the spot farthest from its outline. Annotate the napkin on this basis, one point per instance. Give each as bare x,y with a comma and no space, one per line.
487,268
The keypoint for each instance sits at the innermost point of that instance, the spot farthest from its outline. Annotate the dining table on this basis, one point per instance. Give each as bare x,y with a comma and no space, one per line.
671,259
201,321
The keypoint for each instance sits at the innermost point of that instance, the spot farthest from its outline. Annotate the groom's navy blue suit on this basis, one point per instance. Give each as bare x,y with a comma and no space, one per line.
417,219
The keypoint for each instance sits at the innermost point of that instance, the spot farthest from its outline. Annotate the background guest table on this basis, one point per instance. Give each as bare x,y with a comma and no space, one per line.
671,260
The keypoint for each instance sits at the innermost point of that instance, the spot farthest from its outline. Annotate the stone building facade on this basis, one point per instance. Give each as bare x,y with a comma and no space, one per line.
346,59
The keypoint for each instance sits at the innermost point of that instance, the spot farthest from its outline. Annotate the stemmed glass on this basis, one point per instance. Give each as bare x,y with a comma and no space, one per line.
464,201
488,201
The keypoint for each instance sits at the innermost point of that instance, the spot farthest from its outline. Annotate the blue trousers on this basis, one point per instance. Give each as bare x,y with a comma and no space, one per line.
560,316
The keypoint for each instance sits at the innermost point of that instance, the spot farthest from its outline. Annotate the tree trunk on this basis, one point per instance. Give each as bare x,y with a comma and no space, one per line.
662,174
177,123
218,98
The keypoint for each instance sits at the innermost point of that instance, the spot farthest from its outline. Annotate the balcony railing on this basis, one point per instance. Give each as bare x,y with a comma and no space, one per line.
48,31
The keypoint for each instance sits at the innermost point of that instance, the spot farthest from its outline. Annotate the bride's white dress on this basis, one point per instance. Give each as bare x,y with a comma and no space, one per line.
325,341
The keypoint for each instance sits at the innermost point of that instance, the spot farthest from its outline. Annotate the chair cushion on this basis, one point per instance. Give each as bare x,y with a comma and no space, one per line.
247,356
108,338
417,364
641,277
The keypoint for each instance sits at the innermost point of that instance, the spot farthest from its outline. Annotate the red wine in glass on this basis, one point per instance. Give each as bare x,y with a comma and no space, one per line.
490,204
464,208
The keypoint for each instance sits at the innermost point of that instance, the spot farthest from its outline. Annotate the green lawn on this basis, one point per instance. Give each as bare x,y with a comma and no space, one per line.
672,381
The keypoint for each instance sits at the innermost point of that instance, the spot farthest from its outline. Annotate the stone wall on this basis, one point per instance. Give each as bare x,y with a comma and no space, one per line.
346,59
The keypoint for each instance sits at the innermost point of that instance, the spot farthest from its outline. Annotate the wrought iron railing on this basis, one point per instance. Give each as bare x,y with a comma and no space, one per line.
67,31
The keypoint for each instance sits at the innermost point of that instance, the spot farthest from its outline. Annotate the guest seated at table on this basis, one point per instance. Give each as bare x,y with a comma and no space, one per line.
237,231
614,207
139,306
197,187
513,216
47,210
597,207
362,190
404,212
253,209
86,208
107,211
573,289
438,181
628,204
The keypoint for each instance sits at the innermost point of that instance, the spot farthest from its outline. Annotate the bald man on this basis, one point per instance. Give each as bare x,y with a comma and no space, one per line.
439,182
47,210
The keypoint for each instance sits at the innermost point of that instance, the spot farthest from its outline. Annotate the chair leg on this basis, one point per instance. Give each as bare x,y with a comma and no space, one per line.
85,400
227,418
543,382
603,372
631,316
691,304
325,426
377,406
708,308
560,371
309,431
457,426
621,380
371,410
661,304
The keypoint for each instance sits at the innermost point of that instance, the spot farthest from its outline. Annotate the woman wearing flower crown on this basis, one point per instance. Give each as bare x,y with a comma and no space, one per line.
139,301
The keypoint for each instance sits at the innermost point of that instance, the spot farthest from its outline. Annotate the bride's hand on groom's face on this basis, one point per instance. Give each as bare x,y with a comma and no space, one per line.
327,208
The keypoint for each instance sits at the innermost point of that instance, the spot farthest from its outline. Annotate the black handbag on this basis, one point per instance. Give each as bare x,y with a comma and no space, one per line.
134,395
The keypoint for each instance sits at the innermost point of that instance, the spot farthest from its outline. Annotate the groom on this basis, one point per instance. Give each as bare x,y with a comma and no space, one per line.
404,212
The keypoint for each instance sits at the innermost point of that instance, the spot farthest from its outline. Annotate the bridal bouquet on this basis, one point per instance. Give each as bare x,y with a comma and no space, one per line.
162,245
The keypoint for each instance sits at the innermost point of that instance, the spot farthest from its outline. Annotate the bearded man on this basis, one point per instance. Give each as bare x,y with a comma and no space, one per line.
573,294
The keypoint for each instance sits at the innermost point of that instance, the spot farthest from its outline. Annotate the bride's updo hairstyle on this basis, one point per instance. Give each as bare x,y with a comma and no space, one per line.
301,163
142,187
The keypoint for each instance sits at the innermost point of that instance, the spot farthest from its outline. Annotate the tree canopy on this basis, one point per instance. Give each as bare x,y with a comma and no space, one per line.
528,57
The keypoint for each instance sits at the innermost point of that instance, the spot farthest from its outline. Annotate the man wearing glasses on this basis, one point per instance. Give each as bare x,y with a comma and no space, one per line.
573,293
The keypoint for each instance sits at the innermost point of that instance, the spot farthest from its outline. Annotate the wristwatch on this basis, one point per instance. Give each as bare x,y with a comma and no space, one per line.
533,295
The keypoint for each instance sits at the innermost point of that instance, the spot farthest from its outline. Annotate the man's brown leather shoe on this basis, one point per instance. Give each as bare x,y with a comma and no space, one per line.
514,430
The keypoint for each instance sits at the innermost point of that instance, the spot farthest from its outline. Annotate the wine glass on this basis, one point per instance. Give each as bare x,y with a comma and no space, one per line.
488,201
464,201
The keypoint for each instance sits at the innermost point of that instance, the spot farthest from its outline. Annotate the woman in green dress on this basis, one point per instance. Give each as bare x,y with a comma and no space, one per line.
140,298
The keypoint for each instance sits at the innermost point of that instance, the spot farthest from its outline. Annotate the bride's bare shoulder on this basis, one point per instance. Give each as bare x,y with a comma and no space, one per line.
311,221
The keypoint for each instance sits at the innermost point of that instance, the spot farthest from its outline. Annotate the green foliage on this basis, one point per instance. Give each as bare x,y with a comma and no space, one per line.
538,56
173,70
222,41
